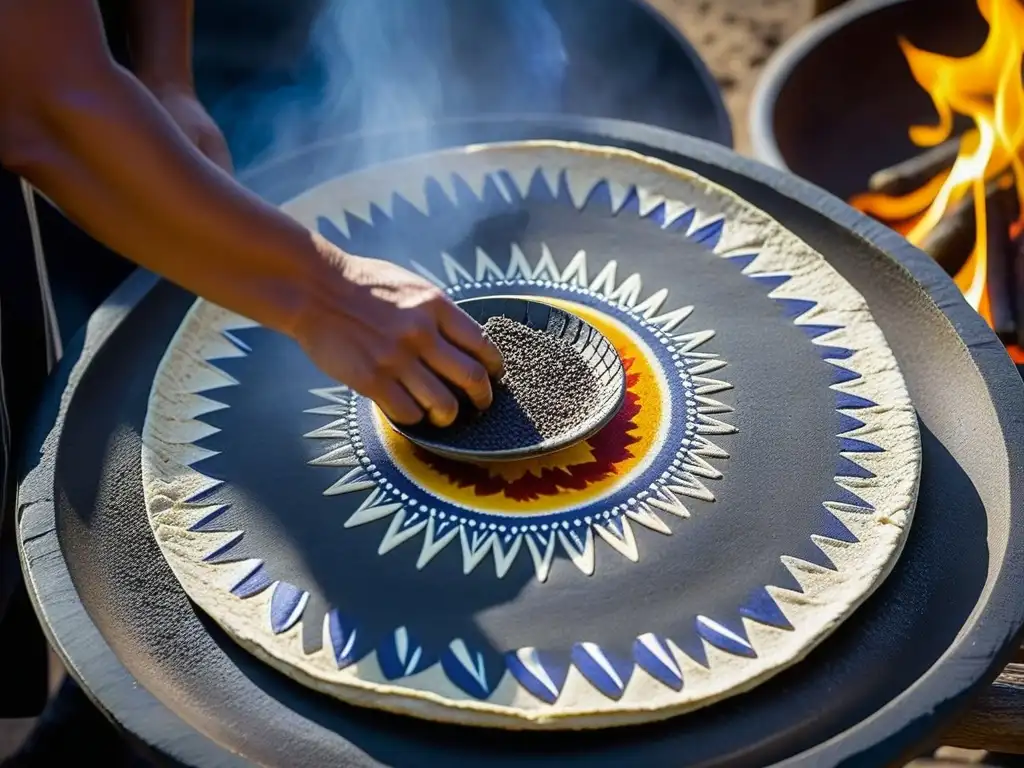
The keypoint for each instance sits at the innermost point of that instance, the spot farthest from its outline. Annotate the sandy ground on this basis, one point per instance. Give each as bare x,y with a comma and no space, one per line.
735,38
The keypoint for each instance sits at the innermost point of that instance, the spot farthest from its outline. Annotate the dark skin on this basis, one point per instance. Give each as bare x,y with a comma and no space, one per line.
138,164
161,46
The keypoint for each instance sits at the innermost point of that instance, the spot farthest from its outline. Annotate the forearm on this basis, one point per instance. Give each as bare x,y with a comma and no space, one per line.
103,150
160,38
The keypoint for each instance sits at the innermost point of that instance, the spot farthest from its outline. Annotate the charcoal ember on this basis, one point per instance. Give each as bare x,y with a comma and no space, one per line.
548,389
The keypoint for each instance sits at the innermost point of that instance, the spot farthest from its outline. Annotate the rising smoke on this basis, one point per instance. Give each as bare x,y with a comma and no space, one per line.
308,71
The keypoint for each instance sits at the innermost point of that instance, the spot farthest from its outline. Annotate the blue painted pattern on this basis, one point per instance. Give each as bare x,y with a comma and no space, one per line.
543,672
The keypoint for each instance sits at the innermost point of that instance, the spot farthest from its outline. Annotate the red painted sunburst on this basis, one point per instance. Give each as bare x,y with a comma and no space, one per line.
607,449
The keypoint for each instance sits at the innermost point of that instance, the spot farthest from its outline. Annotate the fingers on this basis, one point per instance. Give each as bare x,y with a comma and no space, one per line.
396,402
462,330
461,370
410,342
213,145
431,393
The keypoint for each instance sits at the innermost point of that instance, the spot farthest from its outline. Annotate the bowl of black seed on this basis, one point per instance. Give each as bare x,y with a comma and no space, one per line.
563,382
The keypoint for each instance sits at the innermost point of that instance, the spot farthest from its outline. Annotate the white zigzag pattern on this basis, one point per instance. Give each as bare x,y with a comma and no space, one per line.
811,577
685,479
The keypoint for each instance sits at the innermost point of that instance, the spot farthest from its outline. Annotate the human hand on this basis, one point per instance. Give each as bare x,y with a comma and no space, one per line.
396,339
188,112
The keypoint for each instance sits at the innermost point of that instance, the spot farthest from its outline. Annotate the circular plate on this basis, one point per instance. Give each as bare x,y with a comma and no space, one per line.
904,664
581,335
531,565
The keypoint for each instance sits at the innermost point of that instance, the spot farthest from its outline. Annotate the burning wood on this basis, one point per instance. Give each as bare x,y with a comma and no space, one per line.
960,198
1017,284
1002,210
951,241
903,178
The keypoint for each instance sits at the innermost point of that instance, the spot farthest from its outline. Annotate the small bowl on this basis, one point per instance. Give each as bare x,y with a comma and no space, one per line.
602,357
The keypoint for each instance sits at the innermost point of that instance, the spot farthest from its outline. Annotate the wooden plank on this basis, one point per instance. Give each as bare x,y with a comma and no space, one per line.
821,6
996,720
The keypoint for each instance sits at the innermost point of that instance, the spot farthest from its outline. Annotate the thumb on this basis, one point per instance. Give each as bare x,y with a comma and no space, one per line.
213,145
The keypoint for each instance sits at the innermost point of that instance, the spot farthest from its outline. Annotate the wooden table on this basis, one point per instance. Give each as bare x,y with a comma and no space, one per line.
821,6
996,721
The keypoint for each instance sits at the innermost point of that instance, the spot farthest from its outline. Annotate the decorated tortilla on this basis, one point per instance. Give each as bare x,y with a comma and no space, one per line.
756,486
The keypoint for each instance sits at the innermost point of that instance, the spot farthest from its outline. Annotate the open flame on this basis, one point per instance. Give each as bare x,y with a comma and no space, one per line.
987,88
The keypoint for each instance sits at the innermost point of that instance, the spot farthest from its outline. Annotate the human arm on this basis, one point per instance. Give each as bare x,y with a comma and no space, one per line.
96,142
160,39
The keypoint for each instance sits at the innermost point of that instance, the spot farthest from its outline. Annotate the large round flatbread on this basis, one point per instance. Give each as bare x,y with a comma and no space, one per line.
572,539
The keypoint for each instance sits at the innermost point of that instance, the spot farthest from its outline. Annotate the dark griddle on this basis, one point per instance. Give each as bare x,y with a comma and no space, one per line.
900,668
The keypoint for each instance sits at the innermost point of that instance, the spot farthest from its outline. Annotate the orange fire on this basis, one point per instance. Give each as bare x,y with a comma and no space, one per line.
987,88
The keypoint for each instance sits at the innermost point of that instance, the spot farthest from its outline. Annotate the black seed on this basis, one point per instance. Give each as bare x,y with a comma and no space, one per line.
547,390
